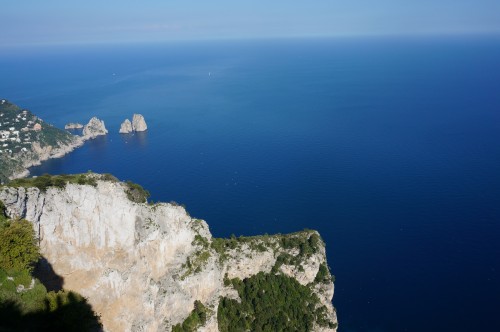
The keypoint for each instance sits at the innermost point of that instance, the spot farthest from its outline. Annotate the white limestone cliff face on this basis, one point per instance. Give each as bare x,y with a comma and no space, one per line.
94,128
126,127
129,258
138,123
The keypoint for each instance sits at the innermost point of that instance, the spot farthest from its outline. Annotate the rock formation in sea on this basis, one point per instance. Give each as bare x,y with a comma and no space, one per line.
126,127
73,126
94,128
138,123
145,267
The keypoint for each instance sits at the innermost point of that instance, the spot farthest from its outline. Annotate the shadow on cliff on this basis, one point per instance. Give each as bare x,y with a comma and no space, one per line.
62,312
47,276
53,309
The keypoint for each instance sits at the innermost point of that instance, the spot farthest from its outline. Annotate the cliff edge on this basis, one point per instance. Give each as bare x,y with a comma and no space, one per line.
152,267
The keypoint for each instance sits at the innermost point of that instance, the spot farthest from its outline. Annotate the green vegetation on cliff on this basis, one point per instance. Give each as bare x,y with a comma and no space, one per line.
197,318
306,243
271,302
323,275
60,181
135,192
274,301
18,247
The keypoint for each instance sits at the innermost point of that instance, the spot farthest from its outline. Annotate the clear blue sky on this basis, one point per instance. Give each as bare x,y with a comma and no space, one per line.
63,21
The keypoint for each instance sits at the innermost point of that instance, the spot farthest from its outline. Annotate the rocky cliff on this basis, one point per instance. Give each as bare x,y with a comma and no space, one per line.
143,266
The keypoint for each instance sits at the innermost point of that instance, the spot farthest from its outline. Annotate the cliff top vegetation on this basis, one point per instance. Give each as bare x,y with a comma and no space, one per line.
135,192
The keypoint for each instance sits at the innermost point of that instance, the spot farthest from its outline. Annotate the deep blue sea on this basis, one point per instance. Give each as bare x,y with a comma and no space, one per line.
390,147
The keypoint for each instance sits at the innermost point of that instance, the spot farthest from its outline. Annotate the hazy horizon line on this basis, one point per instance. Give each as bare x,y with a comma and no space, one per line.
469,34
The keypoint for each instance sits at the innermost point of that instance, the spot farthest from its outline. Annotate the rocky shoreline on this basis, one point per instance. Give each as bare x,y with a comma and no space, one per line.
45,155
39,154
94,128
27,141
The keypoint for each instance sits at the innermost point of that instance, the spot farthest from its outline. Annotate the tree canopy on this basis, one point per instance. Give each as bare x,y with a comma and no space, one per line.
271,302
18,247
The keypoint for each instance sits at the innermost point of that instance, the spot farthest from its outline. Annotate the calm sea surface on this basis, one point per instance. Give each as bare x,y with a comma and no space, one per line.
389,147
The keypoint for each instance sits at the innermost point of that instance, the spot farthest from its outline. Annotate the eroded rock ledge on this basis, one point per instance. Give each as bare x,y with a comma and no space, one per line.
142,266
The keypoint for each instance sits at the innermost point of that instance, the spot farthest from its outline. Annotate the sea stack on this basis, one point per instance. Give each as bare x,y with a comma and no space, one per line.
138,123
126,127
94,128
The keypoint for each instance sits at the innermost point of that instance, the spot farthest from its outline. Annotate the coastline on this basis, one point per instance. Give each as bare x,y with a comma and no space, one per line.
45,154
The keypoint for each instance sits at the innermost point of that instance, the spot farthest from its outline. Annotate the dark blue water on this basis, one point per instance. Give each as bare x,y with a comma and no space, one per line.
389,147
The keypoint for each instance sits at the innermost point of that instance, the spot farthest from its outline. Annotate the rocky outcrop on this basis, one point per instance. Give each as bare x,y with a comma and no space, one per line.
94,128
70,126
143,266
138,123
126,127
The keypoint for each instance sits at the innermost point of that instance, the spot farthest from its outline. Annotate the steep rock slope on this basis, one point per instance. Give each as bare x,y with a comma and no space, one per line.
142,267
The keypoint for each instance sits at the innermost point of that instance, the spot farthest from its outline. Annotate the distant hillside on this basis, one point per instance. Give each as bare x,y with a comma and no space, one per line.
26,140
